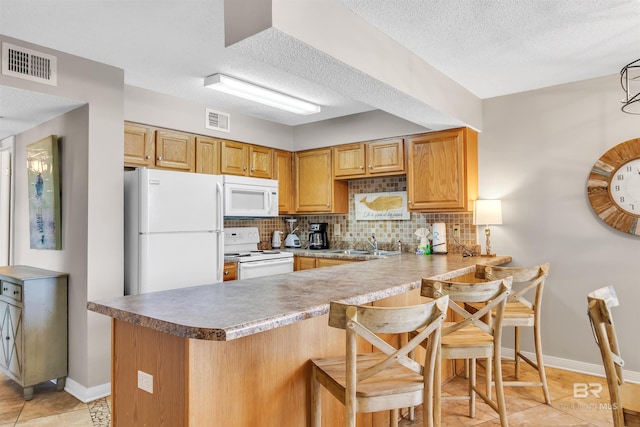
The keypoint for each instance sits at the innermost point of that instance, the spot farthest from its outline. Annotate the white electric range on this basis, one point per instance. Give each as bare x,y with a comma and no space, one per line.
242,242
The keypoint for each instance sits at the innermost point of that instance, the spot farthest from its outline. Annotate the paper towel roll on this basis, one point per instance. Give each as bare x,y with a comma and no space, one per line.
439,243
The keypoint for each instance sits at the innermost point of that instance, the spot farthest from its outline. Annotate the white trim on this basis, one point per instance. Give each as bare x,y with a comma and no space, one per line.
574,366
84,394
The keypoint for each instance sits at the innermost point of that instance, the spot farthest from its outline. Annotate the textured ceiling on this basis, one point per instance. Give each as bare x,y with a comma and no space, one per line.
491,48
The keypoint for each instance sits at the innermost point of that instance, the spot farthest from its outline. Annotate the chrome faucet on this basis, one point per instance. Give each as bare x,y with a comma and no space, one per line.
373,242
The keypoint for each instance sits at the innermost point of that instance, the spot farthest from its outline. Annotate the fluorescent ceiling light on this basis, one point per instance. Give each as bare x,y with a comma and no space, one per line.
249,91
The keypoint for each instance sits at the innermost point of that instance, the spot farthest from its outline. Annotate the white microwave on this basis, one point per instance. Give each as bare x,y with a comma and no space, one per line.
250,197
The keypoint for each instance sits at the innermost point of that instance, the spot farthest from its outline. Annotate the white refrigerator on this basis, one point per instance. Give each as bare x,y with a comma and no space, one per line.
173,230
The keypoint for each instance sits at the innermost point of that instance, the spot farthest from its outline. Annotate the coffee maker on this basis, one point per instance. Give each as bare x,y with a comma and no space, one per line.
318,238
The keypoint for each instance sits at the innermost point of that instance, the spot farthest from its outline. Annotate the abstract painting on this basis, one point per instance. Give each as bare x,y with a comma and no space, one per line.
44,193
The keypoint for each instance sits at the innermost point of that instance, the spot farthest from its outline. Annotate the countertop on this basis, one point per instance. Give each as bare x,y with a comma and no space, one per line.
231,310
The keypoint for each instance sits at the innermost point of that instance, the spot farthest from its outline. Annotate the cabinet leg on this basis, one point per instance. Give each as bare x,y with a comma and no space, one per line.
60,382
27,393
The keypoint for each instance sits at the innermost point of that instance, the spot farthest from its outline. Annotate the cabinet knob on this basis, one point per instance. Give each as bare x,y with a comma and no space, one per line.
160,158
15,292
409,201
253,169
244,168
147,157
328,205
361,167
370,167
226,272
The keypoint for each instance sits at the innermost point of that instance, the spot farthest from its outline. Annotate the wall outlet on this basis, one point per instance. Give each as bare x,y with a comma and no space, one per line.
145,382
337,231
456,231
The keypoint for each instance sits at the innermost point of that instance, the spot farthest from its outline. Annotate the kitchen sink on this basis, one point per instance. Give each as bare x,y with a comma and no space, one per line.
348,251
361,252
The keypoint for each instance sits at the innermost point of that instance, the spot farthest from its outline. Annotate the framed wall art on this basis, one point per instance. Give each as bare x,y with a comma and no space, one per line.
381,206
43,177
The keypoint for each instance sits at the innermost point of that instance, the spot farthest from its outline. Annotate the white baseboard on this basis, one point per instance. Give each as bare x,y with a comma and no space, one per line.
574,366
84,394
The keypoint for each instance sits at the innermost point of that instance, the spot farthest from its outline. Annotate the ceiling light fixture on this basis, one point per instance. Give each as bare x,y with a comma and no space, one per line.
630,77
255,93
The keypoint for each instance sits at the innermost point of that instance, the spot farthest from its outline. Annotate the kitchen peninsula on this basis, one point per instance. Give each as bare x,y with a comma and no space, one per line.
236,354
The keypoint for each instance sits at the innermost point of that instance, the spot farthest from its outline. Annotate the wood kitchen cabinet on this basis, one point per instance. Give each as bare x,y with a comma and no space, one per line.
146,146
282,172
442,171
207,155
175,150
237,158
308,262
315,190
374,158
33,324
230,271
139,145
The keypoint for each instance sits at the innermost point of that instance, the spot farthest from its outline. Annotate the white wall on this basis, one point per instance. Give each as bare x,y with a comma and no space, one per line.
535,153
92,201
354,128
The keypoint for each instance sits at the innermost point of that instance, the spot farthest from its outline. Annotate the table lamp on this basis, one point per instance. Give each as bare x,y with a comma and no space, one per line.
487,212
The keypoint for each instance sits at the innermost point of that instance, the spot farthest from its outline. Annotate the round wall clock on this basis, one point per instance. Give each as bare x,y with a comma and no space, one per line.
614,187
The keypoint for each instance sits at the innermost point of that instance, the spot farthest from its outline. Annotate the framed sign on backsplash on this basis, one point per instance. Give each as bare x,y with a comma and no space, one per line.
381,206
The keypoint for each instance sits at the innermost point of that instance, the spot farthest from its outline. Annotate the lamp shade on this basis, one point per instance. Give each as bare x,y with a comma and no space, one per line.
487,212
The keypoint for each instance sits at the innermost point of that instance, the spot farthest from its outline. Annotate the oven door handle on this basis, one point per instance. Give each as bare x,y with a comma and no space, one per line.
257,264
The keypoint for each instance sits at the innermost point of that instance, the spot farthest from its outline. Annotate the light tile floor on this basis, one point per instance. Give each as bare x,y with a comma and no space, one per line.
49,408
525,405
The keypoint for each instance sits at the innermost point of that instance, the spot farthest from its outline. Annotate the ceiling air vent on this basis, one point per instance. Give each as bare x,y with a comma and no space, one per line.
28,64
217,120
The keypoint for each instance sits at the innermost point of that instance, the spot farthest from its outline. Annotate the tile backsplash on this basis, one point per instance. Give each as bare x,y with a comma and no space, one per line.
353,233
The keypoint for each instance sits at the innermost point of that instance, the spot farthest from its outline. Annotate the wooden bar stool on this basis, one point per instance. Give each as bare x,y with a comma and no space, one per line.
471,338
625,397
520,312
387,379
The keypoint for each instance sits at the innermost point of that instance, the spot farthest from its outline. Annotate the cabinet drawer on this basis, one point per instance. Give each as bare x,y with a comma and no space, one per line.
11,291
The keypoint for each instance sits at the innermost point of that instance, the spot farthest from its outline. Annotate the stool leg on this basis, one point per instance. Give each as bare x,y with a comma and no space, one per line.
437,392
316,400
393,422
472,385
489,376
540,363
502,410
517,349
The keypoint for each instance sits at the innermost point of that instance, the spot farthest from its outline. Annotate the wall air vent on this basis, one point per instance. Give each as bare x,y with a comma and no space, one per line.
28,64
217,120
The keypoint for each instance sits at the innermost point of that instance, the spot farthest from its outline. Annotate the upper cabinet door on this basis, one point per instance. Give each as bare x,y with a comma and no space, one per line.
175,150
348,160
282,172
261,161
207,155
234,158
313,181
386,156
442,171
139,145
